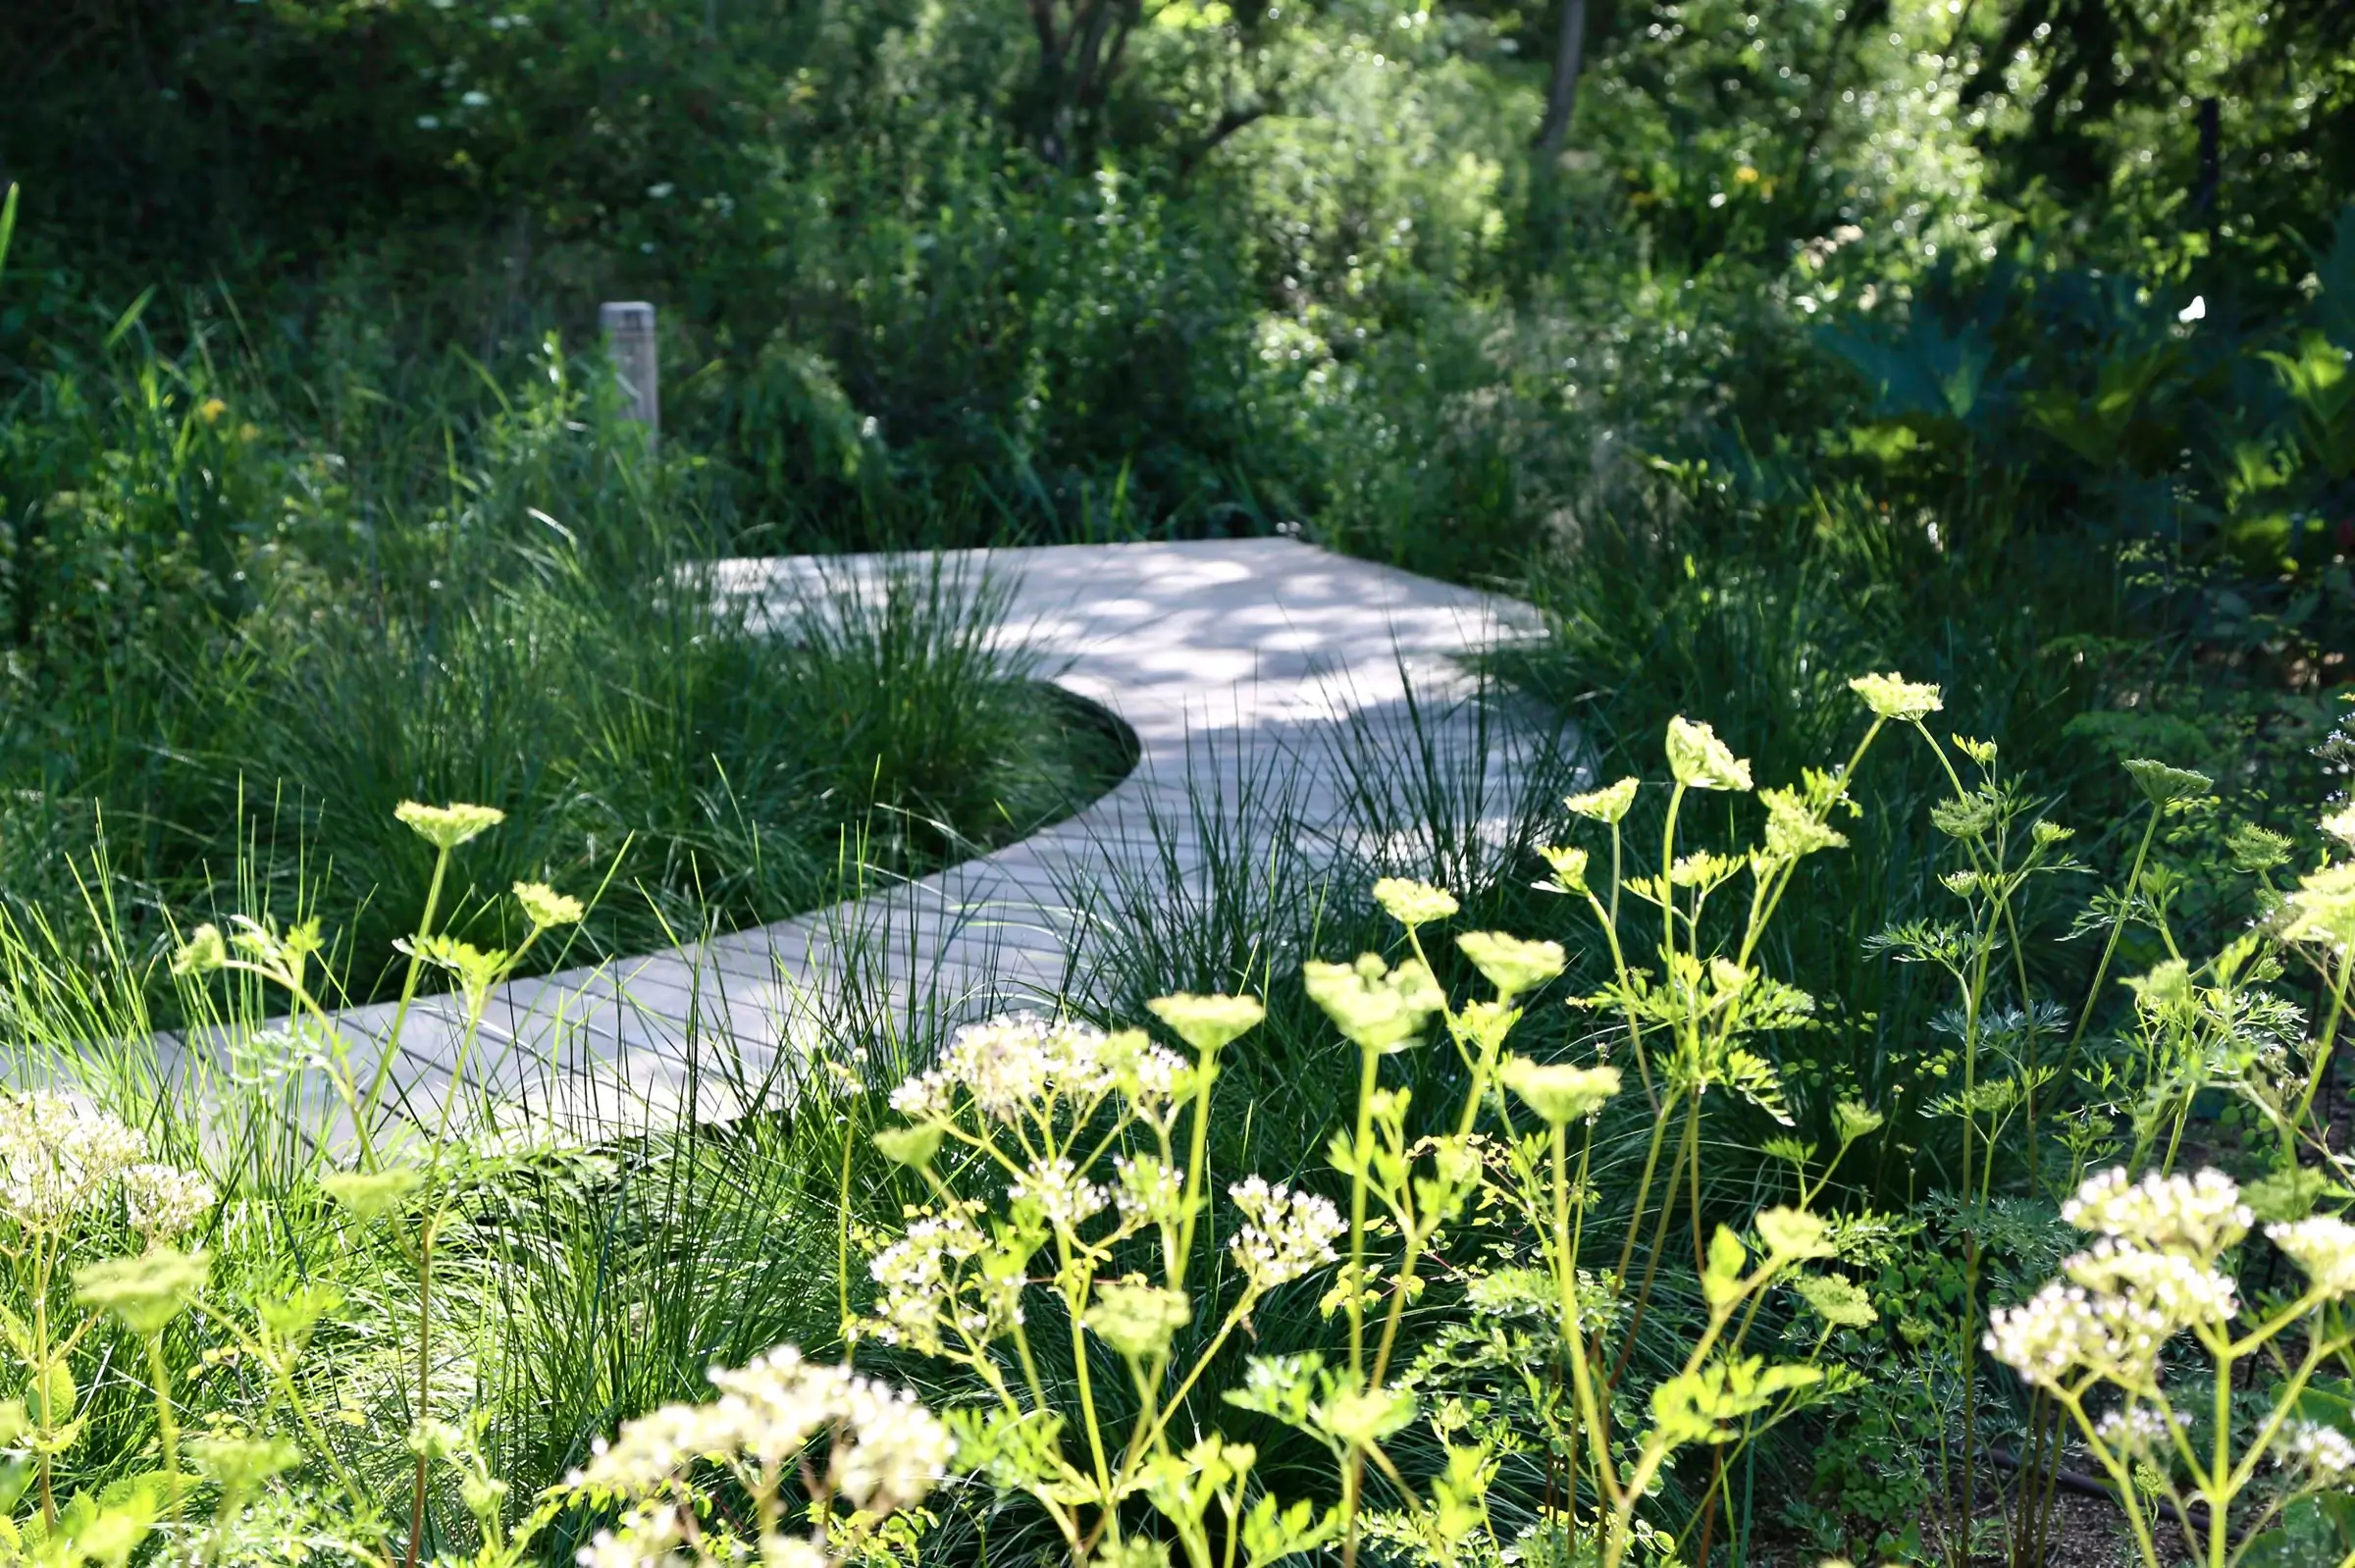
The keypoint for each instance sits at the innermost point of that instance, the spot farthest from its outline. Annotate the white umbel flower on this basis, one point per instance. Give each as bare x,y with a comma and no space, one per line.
887,1450
2194,1216
1285,1234
2065,1329
2323,1245
2182,1293
58,1157
165,1202
2323,1452
1063,1197
931,1281
1011,1065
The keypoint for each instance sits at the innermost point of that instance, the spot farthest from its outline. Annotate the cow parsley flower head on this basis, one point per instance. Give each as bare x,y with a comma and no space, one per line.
1011,1065
445,827
1606,805
2322,908
2179,1290
165,1202
1063,1196
1700,760
1208,1022
58,1157
932,1280
1510,963
1412,903
1561,1092
2137,1429
1147,1190
2323,1452
2065,1329
1893,697
1286,1233
2324,1246
2194,1216
545,907
887,1450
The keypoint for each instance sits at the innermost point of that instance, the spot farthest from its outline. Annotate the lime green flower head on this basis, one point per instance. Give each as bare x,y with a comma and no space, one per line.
2322,908
2162,784
1378,1009
145,1291
1606,805
1893,697
445,827
1511,965
1559,1092
545,907
202,953
1136,1319
1208,1022
370,1193
1569,868
1700,760
1411,903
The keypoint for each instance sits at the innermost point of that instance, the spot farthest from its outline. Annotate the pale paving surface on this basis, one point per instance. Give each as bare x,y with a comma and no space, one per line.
1229,659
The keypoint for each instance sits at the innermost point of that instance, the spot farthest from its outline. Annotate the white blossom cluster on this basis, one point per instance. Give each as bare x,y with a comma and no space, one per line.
2178,1289
1148,1192
2138,1429
58,1159
2198,1216
931,1281
1062,1195
2151,1275
63,1161
1013,1066
887,1450
2324,1246
2065,1329
2324,1454
165,1202
1286,1233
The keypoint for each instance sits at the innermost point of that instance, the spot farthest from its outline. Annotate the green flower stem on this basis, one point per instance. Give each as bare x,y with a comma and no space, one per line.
1659,1239
1574,1338
44,1425
283,1377
1170,1406
167,1419
1076,1302
1418,1233
2101,971
2322,1052
425,1366
1195,1175
409,984
1368,1076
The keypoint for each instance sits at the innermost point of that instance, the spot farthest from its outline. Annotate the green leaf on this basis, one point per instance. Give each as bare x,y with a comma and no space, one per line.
131,317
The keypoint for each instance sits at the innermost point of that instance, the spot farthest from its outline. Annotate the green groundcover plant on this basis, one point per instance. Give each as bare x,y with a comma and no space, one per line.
1526,1330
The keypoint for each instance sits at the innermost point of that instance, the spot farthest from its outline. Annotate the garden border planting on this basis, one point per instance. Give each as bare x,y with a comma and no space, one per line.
1226,658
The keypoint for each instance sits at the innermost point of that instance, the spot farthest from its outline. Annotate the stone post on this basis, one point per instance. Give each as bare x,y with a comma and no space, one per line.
628,329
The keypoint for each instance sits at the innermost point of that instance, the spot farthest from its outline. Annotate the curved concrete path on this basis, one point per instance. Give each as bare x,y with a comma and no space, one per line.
1232,661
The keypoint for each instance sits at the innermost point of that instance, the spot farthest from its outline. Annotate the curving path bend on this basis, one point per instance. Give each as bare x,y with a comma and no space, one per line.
1230,660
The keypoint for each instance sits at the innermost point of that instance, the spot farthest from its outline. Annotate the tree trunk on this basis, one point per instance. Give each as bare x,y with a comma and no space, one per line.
1561,95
